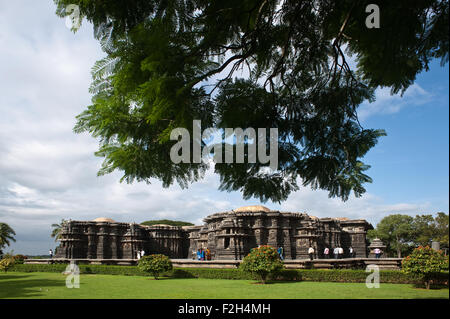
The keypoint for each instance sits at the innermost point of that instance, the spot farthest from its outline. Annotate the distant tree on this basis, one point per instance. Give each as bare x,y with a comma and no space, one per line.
428,228
397,232
56,232
169,62
166,222
6,236
441,222
402,233
425,230
426,262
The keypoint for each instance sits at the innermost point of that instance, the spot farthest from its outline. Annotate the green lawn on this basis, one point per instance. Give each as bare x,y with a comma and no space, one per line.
52,285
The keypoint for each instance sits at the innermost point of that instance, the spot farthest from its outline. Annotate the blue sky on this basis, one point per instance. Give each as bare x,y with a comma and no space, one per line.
411,163
47,172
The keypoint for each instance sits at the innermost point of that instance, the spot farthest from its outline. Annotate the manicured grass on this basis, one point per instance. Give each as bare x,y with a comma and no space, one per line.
52,285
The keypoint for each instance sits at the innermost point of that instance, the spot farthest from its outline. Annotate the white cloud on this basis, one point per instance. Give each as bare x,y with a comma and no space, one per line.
386,103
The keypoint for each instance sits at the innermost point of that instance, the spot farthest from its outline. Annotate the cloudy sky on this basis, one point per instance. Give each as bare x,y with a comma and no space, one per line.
48,173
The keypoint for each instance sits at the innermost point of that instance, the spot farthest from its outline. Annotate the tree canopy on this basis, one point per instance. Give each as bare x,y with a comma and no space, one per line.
6,236
57,228
402,233
251,63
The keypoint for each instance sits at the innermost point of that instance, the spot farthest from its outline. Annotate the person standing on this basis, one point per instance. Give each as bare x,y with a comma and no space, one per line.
311,252
280,252
199,254
50,252
341,252
336,252
326,253
142,253
208,254
202,254
351,252
138,255
377,252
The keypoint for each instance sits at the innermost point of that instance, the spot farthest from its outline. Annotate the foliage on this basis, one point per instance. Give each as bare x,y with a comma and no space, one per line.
155,264
7,262
56,232
170,62
262,261
6,236
402,233
441,224
19,259
424,229
166,222
426,262
397,232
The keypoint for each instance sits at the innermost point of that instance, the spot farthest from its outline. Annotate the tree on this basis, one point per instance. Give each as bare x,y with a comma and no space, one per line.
6,236
397,232
262,261
166,222
424,230
441,222
174,61
155,264
426,262
428,228
56,232
7,262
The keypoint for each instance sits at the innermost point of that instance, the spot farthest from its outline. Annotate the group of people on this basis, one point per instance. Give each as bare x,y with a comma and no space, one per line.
338,252
203,254
140,254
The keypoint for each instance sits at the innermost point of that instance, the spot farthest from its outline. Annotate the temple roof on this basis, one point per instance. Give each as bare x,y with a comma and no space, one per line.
104,219
253,208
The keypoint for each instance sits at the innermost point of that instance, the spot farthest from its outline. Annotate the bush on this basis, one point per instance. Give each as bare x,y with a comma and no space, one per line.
425,262
155,264
7,262
19,259
262,261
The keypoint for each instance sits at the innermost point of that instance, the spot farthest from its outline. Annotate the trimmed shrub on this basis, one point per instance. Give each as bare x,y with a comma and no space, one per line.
262,261
426,263
155,264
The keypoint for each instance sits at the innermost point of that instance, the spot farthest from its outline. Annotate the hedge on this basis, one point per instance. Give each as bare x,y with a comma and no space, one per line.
325,275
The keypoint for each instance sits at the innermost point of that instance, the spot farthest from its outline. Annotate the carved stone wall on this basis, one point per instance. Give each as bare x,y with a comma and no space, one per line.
231,235
111,240
228,235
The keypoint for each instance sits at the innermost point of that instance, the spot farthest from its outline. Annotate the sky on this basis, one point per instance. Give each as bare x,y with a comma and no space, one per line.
47,172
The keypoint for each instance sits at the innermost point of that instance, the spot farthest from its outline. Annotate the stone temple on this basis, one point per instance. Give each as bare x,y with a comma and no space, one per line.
229,235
